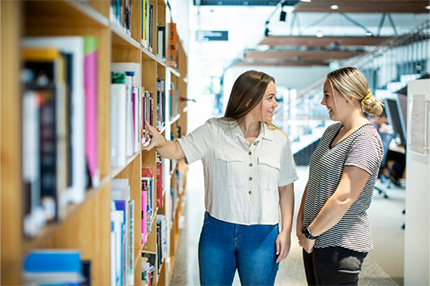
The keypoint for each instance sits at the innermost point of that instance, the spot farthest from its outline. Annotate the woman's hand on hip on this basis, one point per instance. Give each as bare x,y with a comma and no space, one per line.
306,244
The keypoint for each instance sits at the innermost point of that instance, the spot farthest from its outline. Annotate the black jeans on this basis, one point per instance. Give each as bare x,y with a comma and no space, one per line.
333,266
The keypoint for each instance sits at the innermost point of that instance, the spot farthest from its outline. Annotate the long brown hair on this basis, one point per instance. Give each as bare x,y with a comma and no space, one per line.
247,92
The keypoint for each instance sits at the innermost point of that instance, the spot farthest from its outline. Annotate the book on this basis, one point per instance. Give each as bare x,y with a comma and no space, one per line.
73,45
160,182
42,267
46,70
33,211
129,75
91,121
135,108
172,49
130,245
144,202
118,116
148,265
161,42
117,248
120,189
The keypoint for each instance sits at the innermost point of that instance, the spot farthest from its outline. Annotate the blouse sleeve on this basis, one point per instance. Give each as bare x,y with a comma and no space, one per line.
288,173
195,144
366,153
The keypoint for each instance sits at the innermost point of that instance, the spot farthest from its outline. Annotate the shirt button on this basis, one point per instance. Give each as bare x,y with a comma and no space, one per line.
250,178
249,153
250,192
250,165
255,143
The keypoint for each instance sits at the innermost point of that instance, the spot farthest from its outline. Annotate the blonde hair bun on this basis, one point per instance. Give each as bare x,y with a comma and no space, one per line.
371,104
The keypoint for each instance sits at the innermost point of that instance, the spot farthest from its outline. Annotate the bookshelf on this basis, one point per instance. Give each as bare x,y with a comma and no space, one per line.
87,225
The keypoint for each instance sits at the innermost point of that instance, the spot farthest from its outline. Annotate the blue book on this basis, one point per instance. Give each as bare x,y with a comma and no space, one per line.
60,267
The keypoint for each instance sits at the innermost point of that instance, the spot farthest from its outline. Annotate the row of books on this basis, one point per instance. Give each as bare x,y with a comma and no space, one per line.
129,109
131,106
152,261
59,125
149,196
122,233
120,14
56,267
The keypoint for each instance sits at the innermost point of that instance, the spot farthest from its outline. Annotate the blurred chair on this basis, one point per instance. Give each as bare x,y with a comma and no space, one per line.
386,139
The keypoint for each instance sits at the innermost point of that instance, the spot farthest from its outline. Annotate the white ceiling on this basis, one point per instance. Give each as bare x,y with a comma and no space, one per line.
246,25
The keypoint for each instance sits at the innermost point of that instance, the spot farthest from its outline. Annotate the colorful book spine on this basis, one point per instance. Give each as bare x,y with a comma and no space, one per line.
91,121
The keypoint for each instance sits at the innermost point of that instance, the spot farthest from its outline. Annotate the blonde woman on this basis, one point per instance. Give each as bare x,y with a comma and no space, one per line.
249,172
332,223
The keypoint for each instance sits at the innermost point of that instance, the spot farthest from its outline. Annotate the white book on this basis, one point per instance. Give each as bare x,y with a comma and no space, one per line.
118,125
137,117
133,122
75,46
31,160
130,128
120,189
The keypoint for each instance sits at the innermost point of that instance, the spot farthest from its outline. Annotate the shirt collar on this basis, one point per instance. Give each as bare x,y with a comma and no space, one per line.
265,133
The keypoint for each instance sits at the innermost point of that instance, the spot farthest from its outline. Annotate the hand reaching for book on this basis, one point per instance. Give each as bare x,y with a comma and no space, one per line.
156,139
164,147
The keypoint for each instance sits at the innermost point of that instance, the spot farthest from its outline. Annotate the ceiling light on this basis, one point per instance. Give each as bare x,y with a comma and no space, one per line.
319,34
428,7
283,16
334,7
305,0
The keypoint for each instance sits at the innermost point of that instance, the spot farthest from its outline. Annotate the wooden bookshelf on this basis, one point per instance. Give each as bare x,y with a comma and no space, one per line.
87,225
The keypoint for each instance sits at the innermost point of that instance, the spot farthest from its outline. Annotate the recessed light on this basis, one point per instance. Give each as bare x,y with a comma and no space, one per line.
334,7
428,7
319,34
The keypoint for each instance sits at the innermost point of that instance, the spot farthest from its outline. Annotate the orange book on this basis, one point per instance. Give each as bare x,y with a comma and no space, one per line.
172,49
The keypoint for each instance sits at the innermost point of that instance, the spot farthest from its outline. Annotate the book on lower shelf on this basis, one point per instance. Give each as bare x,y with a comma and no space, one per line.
124,231
54,267
148,267
147,179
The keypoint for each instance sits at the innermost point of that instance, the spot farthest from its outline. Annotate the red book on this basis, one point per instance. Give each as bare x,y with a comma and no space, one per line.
159,185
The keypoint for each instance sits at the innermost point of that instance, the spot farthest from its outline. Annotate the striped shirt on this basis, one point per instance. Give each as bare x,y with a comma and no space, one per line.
362,149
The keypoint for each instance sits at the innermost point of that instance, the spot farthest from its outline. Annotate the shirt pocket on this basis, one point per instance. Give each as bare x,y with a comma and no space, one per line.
230,167
268,173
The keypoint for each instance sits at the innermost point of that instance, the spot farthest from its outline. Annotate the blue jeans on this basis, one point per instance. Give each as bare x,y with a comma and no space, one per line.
225,247
333,266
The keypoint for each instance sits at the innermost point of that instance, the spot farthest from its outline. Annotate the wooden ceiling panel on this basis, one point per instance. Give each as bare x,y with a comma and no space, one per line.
301,55
311,42
363,6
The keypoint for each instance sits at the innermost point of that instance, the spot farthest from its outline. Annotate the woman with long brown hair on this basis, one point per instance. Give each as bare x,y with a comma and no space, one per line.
249,172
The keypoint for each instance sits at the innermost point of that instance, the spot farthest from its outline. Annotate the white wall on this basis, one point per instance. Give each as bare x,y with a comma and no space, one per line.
417,197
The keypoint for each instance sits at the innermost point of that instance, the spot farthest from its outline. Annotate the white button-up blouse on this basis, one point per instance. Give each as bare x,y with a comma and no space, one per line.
241,182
